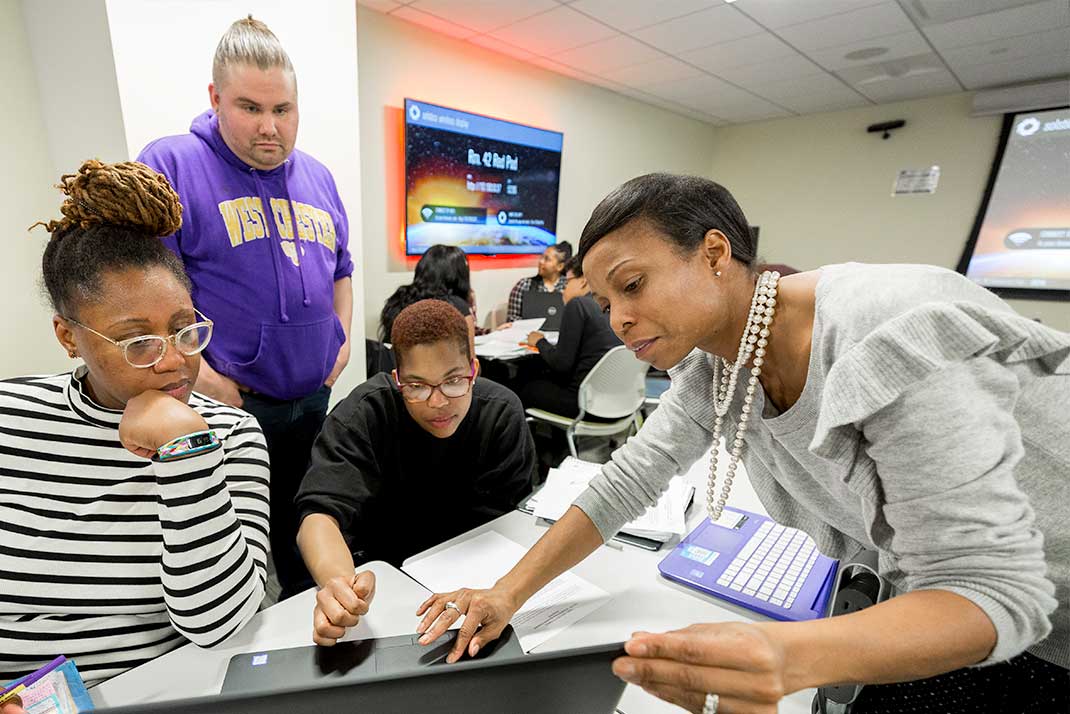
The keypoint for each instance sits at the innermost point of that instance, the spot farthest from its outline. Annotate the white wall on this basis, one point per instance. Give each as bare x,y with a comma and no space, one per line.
820,186
608,139
26,196
163,61
72,58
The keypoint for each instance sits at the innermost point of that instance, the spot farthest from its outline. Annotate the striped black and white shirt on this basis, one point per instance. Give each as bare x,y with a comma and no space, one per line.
112,559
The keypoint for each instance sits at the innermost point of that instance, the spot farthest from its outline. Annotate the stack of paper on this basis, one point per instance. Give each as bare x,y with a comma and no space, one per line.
564,484
506,343
479,562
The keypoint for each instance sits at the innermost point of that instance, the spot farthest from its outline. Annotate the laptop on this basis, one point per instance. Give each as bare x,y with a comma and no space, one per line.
548,305
751,560
353,661
579,680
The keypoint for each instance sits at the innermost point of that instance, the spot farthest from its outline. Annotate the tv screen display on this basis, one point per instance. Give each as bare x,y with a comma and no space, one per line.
1020,245
485,185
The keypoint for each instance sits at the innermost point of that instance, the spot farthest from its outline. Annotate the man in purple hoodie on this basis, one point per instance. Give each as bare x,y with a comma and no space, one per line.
264,239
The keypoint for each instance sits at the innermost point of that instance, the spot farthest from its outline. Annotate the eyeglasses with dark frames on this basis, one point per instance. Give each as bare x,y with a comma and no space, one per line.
452,388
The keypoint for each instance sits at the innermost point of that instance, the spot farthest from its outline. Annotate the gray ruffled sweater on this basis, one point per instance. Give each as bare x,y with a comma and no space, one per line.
934,427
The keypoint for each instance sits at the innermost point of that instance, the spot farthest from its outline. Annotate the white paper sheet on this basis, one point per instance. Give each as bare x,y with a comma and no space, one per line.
502,344
565,483
479,562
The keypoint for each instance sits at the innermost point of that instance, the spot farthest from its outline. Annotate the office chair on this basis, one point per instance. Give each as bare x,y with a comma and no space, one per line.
615,388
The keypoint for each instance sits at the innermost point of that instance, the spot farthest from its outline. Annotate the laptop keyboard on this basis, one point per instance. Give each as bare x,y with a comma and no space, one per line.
772,566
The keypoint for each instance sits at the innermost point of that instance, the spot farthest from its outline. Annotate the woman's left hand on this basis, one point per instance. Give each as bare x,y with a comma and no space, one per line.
153,418
534,337
742,664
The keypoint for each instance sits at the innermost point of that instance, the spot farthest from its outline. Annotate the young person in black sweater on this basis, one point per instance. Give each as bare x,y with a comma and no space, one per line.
584,337
432,426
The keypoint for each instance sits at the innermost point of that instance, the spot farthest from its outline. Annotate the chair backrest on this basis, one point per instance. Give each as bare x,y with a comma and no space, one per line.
616,386
378,357
496,315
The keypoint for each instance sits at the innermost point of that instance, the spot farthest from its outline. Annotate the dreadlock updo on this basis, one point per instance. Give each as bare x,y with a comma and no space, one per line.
113,218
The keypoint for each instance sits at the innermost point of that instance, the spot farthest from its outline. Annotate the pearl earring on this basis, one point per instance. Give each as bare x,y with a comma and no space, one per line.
718,274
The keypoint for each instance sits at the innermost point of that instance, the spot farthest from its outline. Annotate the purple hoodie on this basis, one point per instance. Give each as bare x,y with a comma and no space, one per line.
271,296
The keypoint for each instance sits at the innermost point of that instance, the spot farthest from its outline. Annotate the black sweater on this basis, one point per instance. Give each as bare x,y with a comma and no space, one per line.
396,490
584,337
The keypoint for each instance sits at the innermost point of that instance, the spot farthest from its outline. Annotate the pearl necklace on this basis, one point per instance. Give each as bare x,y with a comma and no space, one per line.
754,340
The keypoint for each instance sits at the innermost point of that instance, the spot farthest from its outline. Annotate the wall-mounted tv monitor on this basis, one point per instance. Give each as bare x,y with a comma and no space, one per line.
1020,245
485,185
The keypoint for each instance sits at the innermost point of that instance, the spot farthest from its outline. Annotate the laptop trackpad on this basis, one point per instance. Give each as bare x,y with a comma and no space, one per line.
346,658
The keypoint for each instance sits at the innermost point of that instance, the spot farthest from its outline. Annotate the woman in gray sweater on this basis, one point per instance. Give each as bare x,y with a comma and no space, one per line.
897,408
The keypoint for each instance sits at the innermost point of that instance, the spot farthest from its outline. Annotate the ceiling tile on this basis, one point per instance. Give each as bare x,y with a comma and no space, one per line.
1010,49
657,72
684,91
501,47
916,66
708,27
775,14
736,53
561,68
905,44
754,109
675,108
483,15
874,21
814,103
605,55
554,31
814,84
380,5
1022,70
924,85
431,22
1024,20
782,68
934,12
628,15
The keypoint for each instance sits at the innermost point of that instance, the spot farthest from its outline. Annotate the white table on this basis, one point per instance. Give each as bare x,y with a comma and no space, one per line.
642,600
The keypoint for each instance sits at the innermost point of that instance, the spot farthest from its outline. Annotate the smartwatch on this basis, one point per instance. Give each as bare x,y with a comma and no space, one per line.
189,445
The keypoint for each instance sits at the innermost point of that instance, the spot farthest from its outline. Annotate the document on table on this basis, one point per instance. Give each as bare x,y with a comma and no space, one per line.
506,343
479,562
659,522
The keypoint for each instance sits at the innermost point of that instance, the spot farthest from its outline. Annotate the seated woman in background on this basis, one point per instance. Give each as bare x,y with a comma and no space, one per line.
441,274
585,336
433,425
133,513
549,279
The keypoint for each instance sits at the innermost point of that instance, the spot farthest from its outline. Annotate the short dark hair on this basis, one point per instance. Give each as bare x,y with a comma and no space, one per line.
574,266
426,322
113,219
683,208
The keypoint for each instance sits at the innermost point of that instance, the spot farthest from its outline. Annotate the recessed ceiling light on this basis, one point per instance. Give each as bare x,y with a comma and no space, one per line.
866,53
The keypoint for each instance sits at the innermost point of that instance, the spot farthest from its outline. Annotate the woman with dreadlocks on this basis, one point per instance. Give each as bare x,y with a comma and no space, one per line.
133,512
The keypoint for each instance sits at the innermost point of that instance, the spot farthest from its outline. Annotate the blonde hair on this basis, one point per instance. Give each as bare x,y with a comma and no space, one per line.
249,41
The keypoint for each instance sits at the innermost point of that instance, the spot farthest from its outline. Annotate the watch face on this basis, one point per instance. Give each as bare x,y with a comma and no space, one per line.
200,440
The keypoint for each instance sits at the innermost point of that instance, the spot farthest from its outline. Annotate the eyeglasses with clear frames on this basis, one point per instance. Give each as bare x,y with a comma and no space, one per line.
145,351
452,388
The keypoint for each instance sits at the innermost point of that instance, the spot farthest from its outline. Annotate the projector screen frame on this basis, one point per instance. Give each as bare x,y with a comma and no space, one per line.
982,210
